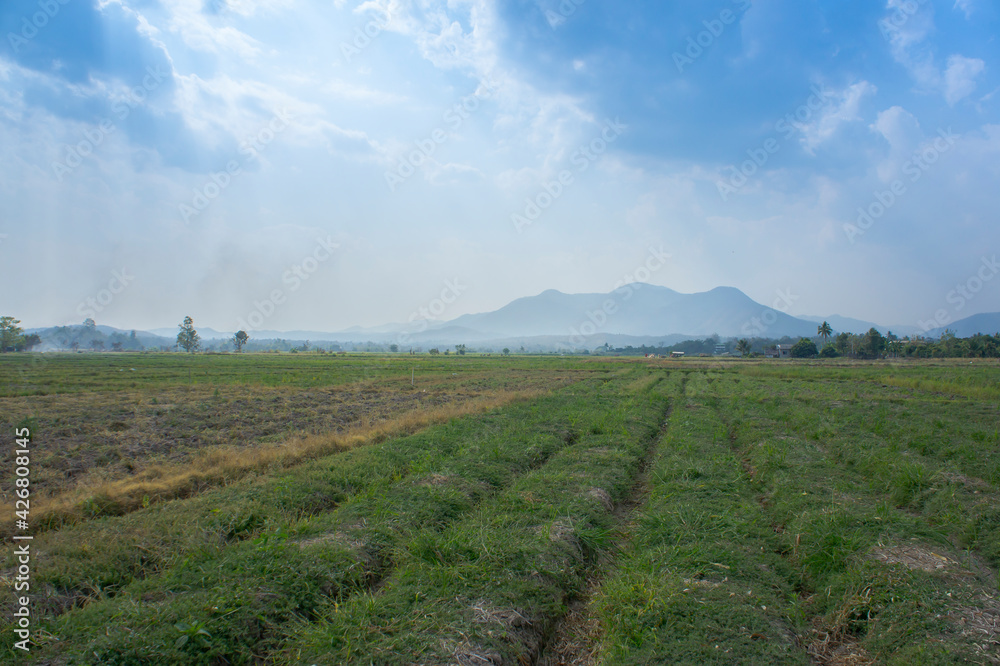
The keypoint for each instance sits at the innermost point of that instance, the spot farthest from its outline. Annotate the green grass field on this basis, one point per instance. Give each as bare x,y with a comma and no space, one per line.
489,510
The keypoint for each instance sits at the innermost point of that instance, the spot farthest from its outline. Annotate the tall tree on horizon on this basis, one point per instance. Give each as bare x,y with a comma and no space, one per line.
188,338
240,339
9,333
824,331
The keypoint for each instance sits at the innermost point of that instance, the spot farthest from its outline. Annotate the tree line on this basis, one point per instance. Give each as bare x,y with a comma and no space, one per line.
870,345
874,345
12,337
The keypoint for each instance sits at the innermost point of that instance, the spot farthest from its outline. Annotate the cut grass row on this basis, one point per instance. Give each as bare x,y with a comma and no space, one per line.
700,582
777,517
490,587
231,569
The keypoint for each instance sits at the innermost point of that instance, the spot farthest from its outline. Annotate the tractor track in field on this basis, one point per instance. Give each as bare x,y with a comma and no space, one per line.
573,639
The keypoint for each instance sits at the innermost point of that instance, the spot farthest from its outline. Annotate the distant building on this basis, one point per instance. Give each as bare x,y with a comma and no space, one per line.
721,349
676,354
784,351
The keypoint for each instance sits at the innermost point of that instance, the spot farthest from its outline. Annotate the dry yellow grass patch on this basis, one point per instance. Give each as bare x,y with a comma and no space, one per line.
222,465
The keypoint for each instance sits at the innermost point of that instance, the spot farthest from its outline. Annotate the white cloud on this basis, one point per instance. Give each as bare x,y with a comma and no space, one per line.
352,92
224,107
960,77
843,109
354,144
249,8
899,127
451,173
436,26
966,6
462,35
198,31
902,132
907,28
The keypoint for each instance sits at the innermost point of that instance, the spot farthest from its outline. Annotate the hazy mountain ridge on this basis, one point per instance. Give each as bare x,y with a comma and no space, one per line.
637,310
987,323
636,314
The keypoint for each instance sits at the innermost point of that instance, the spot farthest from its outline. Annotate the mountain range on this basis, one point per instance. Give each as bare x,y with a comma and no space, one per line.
987,322
636,314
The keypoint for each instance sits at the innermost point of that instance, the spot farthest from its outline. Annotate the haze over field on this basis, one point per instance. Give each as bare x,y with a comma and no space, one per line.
320,166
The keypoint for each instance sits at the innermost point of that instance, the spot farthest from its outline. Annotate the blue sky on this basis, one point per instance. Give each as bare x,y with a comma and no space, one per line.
340,163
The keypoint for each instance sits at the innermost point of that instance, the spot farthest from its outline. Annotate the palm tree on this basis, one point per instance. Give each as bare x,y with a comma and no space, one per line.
824,331
743,347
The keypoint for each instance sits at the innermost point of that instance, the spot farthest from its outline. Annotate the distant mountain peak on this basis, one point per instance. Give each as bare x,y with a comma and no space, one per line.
645,309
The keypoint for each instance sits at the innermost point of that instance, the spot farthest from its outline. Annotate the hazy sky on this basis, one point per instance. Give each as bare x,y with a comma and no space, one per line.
330,164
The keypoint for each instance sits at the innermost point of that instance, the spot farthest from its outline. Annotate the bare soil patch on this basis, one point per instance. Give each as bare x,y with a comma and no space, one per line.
917,557
89,437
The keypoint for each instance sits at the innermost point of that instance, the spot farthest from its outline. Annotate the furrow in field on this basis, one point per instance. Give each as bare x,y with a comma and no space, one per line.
492,585
574,638
699,581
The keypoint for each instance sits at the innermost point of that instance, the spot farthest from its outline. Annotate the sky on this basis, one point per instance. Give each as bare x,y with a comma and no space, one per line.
328,164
